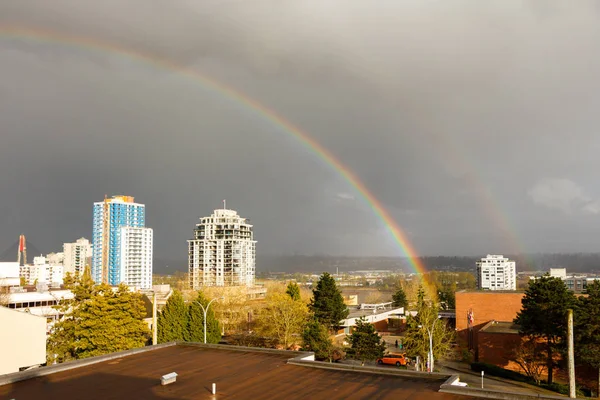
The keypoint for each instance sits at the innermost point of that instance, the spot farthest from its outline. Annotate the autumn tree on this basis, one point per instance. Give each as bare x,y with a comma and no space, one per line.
194,330
283,319
293,290
4,295
233,310
172,321
315,338
587,330
365,342
544,315
99,320
327,303
419,327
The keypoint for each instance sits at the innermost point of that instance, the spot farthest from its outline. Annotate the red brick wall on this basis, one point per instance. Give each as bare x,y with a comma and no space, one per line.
486,306
496,348
381,326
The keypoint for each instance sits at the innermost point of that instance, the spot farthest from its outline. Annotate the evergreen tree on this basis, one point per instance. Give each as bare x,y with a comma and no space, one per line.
365,342
587,329
544,315
399,298
173,320
293,291
420,297
194,331
327,303
99,320
316,339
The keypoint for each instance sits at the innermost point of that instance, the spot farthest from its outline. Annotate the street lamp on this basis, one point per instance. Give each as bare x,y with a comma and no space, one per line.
430,354
205,311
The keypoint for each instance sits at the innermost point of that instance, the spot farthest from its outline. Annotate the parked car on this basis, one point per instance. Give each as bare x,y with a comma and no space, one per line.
393,359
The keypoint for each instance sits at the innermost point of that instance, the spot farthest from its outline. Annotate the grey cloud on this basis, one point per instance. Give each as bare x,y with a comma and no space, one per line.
446,112
563,195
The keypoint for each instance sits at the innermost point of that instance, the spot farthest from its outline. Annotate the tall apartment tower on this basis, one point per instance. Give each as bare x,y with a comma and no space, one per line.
76,255
222,252
136,257
113,247
496,272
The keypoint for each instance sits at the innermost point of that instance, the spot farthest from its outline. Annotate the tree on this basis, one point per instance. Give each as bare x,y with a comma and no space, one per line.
365,342
544,315
293,291
399,298
530,359
327,303
420,297
4,295
587,330
316,339
99,320
173,320
194,330
416,338
283,319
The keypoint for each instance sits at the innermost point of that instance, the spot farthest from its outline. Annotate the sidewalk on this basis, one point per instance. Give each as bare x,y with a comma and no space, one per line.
473,379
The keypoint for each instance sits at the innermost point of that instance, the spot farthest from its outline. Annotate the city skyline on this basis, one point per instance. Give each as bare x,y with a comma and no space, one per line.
463,132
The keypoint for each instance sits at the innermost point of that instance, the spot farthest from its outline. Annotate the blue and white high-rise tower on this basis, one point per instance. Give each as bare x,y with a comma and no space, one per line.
111,218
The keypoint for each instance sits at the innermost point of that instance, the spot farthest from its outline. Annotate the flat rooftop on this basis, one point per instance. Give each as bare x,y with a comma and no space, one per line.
238,375
500,327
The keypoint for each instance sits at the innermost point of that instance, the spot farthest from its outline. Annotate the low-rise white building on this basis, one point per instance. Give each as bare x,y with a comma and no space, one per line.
22,340
9,274
558,273
40,303
372,313
43,273
496,272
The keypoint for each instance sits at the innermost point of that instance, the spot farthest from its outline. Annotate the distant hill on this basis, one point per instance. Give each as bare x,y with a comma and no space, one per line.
574,262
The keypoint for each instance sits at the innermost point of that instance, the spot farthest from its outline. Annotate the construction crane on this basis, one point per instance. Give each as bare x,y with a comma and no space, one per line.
105,238
22,250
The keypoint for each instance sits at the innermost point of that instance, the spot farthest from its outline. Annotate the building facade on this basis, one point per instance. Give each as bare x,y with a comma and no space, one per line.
76,255
41,272
22,341
222,252
496,272
136,257
110,216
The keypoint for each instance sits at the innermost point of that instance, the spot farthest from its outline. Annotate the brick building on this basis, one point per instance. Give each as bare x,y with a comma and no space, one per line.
493,337
484,307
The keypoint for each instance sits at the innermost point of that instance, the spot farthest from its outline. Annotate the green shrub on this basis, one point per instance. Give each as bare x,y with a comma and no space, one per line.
494,370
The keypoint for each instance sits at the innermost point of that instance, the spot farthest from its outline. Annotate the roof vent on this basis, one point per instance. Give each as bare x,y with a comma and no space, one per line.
168,378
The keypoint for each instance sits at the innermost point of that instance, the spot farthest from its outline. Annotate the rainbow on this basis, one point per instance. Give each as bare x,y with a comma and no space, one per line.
222,89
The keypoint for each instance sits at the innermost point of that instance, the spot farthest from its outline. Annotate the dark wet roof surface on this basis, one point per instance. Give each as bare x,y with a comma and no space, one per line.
238,375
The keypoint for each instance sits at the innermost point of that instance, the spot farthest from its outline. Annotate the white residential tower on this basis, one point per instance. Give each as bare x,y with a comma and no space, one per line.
222,252
496,272
136,257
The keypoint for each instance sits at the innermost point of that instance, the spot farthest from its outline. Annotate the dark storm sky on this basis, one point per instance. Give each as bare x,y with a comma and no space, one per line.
474,123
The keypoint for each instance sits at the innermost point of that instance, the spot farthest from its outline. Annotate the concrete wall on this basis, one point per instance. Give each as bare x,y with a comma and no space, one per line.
22,340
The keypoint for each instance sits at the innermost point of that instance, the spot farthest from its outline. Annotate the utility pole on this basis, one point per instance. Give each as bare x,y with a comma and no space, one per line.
154,327
572,393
